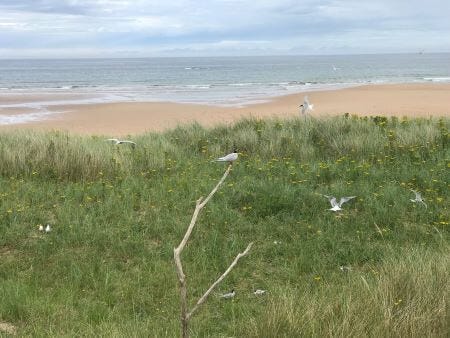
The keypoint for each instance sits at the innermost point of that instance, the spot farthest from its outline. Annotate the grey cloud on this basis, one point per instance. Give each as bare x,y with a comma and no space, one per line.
313,25
45,6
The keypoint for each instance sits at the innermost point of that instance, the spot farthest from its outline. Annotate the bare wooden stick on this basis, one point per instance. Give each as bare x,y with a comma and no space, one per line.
177,253
206,294
199,206
183,294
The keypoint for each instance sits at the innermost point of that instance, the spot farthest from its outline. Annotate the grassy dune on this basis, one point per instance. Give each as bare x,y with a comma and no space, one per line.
106,268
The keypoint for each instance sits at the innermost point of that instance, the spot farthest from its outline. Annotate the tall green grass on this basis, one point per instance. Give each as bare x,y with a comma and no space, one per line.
106,268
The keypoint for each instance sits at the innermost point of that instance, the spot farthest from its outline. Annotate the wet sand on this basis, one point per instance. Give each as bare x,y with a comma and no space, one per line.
413,100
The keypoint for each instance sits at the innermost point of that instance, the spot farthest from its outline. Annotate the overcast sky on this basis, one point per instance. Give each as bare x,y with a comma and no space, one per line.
139,28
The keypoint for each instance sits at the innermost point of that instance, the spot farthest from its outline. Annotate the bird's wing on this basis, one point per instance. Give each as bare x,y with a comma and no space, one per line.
311,106
306,101
345,199
229,157
332,200
228,295
112,139
221,159
126,141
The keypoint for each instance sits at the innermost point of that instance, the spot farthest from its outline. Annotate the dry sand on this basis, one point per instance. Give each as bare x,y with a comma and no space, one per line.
118,119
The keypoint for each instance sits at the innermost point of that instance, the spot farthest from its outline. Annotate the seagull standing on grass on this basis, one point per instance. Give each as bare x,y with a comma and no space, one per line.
335,206
116,141
48,228
230,158
228,295
41,227
259,292
418,198
306,106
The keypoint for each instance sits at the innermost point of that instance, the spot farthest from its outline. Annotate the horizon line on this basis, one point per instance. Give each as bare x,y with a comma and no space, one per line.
217,56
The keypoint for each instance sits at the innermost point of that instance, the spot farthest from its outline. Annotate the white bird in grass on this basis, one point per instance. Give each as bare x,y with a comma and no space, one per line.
228,295
418,198
335,206
41,227
306,106
117,141
230,158
48,228
259,292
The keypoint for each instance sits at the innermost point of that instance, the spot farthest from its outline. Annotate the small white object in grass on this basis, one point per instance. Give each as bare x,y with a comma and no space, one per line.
344,268
41,227
335,206
306,106
418,198
276,242
228,295
259,292
48,228
230,158
117,141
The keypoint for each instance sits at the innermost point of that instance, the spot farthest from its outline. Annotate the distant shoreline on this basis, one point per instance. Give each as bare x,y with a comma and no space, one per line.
121,118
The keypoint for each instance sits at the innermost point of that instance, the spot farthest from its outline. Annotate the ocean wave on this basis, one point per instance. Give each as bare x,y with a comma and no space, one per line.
214,93
198,86
196,68
25,118
438,79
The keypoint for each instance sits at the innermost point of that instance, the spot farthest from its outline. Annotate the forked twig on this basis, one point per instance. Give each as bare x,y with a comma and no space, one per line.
206,294
185,314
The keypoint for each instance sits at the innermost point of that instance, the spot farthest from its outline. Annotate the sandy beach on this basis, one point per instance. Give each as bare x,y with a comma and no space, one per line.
413,100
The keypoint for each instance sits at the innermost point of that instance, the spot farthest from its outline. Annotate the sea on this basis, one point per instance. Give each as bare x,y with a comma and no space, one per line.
34,86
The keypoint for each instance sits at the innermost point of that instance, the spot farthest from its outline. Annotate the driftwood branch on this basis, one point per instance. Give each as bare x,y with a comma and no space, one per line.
200,203
199,206
206,294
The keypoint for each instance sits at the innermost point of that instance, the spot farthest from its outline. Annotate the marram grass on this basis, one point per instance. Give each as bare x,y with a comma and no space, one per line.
106,268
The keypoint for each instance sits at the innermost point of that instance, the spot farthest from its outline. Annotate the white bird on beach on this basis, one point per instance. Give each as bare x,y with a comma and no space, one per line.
230,158
228,295
335,206
48,228
259,292
117,141
306,106
418,198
